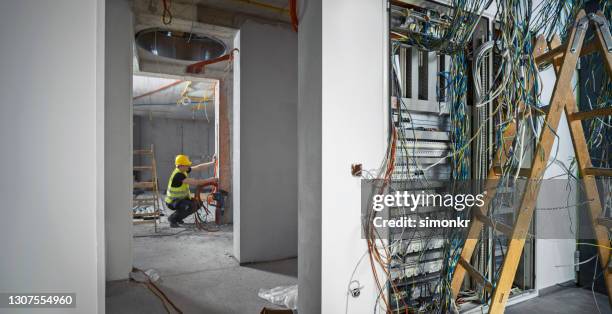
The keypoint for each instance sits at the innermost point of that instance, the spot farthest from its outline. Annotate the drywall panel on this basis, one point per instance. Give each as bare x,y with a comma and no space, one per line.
354,101
118,146
267,151
51,134
195,138
309,156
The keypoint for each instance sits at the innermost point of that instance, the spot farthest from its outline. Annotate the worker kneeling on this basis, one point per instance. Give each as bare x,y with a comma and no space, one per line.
178,196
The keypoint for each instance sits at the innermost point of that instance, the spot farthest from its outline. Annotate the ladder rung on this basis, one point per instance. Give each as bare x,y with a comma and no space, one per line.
601,172
141,215
475,274
536,111
143,152
143,168
144,185
142,200
601,112
523,172
606,222
547,57
497,226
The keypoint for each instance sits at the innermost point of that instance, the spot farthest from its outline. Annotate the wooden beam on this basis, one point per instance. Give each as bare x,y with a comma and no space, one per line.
598,172
584,115
143,152
558,52
522,172
541,111
601,45
475,274
606,222
496,225
144,185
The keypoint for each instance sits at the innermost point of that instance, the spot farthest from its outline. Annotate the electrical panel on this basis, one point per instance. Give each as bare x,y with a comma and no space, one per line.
420,111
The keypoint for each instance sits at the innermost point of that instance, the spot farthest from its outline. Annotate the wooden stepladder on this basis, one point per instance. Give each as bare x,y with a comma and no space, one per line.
564,59
150,196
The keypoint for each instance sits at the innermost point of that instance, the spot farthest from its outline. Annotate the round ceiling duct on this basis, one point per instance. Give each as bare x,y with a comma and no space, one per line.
179,45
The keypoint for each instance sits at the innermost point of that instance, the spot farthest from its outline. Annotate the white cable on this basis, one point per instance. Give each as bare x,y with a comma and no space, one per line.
583,262
593,284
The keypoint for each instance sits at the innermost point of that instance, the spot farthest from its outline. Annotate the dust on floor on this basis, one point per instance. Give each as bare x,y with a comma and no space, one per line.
198,273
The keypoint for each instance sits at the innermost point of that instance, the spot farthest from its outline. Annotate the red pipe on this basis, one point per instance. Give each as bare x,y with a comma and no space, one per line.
198,67
293,14
161,88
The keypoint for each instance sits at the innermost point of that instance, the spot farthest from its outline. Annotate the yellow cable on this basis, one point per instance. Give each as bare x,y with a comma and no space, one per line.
591,244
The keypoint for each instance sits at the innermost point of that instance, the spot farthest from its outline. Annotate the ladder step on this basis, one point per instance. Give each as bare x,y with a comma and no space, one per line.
144,185
601,112
475,274
600,172
548,57
142,200
141,215
143,152
143,168
145,221
536,111
606,222
523,172
497,226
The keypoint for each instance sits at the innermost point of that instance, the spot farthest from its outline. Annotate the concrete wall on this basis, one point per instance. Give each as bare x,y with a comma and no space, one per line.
235,151
118,146
265,143
195,138
52,136
309,156
354,103
224,142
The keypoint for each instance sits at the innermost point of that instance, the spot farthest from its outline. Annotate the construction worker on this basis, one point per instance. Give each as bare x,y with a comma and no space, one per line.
178,197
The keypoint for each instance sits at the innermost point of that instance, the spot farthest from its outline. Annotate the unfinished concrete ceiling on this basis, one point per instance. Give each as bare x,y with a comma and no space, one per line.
217,19
174,98
269,9
147,16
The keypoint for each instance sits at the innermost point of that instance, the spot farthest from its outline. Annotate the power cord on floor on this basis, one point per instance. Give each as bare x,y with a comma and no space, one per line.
168,304
159,235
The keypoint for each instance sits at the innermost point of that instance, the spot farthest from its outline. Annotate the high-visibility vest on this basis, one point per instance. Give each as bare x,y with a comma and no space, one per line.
181,192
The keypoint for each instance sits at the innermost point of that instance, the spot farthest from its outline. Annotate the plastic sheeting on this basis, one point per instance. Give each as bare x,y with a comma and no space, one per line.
286,296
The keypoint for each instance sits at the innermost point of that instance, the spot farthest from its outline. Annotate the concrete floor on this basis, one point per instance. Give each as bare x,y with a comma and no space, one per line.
564,301
198,273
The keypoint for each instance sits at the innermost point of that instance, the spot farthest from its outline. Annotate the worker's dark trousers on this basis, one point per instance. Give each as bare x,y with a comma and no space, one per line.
182,209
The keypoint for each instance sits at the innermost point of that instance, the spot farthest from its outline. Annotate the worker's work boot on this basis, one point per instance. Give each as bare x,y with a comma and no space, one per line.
173,222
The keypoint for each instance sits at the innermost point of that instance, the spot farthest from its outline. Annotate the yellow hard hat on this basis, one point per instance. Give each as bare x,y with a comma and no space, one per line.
182,160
